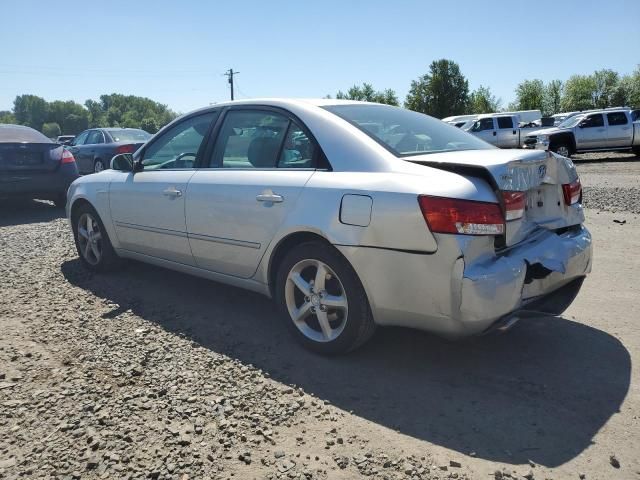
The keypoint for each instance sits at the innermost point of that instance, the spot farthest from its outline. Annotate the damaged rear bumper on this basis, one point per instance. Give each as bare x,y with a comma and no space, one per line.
464,288
496,287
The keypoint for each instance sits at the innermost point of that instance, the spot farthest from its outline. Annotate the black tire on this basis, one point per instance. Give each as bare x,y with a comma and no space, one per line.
109,259
359,325
562,146
98,165
636,151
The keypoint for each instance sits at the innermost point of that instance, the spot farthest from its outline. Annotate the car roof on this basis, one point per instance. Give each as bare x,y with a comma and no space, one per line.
10,133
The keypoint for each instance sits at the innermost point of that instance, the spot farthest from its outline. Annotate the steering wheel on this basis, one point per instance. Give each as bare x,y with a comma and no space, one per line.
178,162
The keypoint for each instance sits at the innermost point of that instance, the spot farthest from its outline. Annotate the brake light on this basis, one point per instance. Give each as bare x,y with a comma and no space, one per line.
513,205
125,149
67,157
467,217
572,192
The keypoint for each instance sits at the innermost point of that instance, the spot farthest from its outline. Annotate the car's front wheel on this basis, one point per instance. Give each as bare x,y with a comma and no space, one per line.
92,241
323,300
562,149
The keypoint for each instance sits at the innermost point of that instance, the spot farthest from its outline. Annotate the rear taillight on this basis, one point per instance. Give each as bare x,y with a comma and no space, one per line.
67,157
467,217
125,149
513,205
572,192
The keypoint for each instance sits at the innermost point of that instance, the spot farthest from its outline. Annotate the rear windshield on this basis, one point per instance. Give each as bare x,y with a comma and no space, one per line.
20,134
129,135
404,132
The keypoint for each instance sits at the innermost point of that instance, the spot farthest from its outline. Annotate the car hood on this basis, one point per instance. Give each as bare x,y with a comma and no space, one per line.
548,131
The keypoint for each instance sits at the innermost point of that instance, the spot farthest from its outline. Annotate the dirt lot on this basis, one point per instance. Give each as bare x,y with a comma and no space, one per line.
146,373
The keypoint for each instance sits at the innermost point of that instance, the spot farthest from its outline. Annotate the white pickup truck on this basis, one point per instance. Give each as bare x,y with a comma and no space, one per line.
605,130
500,130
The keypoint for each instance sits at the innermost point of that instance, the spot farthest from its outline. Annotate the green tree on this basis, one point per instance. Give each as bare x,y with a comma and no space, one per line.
366,93
30,110
51,130
578,93
442,92
605,84
97,117
530,95
74,123
482,100
7,117
552,98
58,111
150,125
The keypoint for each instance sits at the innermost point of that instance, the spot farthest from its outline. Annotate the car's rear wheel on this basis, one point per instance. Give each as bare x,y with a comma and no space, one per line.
562,149
92,241
323,300
98,166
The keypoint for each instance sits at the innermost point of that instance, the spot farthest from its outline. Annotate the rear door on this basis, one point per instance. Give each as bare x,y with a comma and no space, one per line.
261,160
619,130
507,132
76,149
147,207
485,128
591,132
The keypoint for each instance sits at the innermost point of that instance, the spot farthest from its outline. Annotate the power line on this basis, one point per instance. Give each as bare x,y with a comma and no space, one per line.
230,73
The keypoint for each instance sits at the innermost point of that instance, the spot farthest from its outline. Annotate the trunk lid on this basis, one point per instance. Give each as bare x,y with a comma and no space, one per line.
29,157
540,174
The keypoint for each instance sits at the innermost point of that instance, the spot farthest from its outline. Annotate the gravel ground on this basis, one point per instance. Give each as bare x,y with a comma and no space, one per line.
145,373
611,181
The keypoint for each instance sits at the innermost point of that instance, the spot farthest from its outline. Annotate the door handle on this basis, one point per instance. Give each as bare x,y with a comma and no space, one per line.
494,133
172,192
270,197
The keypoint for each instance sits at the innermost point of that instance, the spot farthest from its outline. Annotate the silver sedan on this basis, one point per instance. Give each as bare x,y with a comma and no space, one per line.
349,215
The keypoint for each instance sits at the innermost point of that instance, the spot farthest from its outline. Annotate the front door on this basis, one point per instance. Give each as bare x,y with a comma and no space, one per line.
148,207
76,149
486,130
591,132
261,161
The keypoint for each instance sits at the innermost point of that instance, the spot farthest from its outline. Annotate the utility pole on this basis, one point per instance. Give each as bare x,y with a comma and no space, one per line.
230,73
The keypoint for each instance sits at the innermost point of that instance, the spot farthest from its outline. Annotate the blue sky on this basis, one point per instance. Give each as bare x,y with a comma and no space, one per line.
175,52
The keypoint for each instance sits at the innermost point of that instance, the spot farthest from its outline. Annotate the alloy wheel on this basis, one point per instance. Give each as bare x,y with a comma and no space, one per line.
98,167
563,150
316,300
89,239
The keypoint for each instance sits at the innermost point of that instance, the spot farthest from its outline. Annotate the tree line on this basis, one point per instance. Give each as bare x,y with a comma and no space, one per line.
70,118
444,91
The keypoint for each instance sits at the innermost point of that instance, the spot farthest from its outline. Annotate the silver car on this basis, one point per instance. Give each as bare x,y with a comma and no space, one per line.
349,215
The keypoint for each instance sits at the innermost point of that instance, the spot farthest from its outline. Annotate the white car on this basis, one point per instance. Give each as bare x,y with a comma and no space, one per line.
350,215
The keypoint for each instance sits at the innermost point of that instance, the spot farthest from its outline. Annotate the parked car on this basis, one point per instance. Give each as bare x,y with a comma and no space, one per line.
501,130
604,130
94,148
413,223
32,166
65,139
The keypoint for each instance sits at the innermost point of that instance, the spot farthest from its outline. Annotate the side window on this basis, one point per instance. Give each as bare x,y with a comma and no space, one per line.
178,146
95,136
482,124
250,139
594,121
616,118
298,150
80,139
505,122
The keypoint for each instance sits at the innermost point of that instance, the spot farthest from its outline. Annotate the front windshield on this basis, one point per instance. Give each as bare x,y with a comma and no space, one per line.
570,122
405,132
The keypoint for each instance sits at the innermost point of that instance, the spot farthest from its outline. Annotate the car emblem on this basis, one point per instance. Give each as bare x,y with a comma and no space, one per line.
542,171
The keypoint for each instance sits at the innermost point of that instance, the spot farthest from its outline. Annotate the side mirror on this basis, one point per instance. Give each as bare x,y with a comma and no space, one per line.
582,124
122,162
